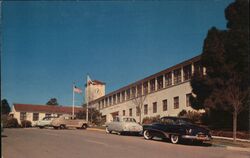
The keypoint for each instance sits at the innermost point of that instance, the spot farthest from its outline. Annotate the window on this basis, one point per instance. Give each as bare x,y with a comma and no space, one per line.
133,92
35,116
145,87
160,82
177,76
22,116
165,105
198,68
168,79
110,100
187,70
123,95
102,103
138,111
106,101
128,94
123,112
145,109
114,99
188,99
152,85
47,115
155,107
130,112
118,98
139,90
176,102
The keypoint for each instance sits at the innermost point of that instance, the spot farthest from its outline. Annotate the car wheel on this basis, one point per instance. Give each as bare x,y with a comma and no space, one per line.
174,139
62,126
107,131
147,135
84,126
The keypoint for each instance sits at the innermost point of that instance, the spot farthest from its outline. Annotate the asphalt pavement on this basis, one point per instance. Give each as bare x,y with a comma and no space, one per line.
50,143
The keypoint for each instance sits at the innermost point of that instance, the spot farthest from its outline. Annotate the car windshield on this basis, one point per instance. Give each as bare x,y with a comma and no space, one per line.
183,121
129,120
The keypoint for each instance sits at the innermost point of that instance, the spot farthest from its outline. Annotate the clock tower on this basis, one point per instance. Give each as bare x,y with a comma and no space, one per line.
94,90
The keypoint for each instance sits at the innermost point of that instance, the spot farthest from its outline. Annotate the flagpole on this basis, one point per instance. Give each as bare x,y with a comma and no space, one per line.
73,110
87,101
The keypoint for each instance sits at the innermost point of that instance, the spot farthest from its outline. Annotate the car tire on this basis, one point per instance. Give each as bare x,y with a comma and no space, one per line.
107,131
84,126
174,139
62,126
147,135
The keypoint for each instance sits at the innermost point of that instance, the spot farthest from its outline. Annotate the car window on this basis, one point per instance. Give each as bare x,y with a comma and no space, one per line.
167,121
129,120
183,121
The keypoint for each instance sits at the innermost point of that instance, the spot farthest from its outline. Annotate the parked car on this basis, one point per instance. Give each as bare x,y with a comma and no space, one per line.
176,129
67,121
123,125
45,122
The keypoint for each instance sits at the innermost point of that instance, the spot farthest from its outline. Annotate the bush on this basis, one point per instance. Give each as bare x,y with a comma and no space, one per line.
149,120
26,124
194,116
12,123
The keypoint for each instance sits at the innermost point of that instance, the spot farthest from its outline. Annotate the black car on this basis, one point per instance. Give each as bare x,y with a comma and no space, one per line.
175,129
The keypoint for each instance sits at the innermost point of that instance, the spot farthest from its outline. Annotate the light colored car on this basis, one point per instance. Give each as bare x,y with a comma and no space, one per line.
68,121
45,122
122,125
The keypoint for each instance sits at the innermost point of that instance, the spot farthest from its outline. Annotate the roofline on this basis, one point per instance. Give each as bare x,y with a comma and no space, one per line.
185,62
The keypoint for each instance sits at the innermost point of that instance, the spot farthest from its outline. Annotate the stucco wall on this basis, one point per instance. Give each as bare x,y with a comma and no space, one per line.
168,93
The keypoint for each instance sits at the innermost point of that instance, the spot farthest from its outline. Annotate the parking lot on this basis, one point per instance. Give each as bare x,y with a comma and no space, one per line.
50,143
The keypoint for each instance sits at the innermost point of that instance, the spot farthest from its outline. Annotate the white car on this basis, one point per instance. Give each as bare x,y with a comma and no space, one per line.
45,122
122,125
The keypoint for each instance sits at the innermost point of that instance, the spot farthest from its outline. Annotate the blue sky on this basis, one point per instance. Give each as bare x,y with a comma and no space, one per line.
46,46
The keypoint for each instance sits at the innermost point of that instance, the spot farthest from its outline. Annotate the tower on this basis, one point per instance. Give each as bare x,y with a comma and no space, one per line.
94,90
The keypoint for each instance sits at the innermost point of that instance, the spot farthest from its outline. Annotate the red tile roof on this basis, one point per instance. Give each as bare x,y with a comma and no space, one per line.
45,108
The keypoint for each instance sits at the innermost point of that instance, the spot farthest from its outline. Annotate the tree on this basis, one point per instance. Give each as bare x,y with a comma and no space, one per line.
52,102
139,102
225,57
5,107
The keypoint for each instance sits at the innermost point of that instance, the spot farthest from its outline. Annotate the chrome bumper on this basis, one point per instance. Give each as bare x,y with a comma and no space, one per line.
205,138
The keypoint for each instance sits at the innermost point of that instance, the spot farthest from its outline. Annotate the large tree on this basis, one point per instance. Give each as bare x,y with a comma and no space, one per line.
53,102
5,108
226,59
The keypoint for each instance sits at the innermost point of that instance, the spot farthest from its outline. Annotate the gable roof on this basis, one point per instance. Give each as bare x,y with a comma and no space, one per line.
45,108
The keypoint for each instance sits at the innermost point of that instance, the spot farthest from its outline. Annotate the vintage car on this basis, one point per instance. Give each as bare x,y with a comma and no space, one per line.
176,129
69,121
45,122
122,125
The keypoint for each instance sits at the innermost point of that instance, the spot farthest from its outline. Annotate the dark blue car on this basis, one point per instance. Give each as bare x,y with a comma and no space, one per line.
176,129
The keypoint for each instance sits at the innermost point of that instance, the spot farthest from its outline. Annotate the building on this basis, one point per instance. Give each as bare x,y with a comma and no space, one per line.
94,90
35,113
165,93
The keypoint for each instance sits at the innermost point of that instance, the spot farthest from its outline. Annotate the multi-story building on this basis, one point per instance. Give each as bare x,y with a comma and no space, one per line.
165,93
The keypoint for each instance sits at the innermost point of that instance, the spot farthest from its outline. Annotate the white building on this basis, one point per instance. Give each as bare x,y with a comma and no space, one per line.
166,93
35,113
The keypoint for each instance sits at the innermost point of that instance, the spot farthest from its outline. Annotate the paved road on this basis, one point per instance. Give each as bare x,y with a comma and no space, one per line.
49,143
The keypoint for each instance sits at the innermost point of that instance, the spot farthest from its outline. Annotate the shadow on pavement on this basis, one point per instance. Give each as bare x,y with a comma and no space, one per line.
3,136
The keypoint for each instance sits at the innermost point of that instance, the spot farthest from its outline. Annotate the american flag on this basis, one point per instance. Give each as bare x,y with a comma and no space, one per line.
77,90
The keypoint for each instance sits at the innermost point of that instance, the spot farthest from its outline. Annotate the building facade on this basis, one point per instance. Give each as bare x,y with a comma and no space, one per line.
35,113
165,93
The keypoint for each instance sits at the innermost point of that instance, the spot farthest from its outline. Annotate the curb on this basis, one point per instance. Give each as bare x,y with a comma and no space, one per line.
238,148
228,138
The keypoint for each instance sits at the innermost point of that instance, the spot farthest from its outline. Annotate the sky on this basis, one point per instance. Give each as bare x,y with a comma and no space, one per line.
46,46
